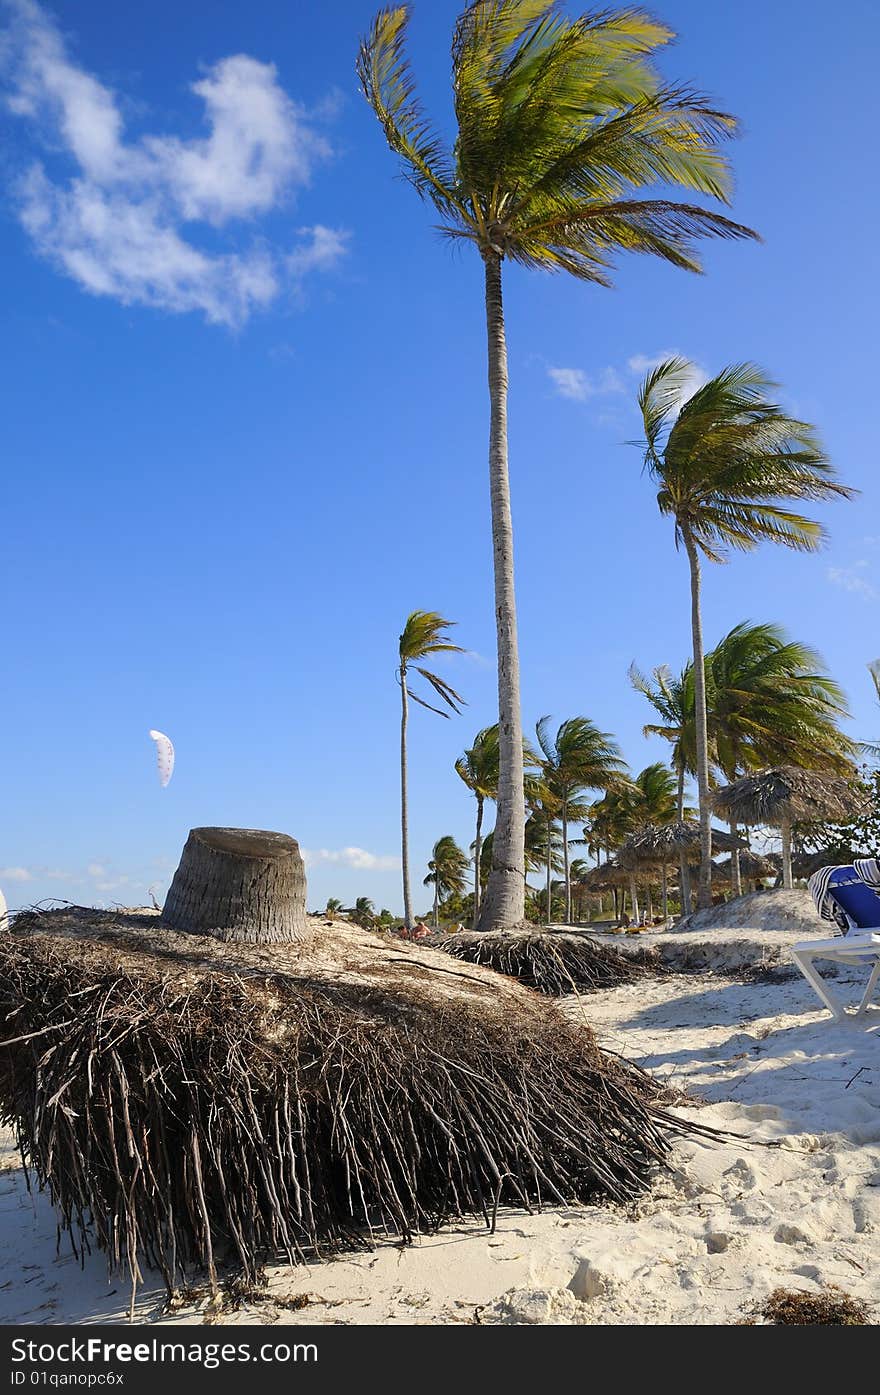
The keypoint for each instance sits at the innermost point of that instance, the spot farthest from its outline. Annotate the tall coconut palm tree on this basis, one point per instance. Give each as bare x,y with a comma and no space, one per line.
423,634
872,748
560,124
446,872
728,462
578,758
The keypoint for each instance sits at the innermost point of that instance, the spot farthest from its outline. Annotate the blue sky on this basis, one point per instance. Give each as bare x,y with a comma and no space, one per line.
245,418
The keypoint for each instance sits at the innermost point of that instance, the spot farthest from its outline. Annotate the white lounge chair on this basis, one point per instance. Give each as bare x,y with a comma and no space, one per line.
848,897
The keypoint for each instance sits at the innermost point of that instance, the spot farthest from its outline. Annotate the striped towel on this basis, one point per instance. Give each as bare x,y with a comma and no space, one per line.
846,895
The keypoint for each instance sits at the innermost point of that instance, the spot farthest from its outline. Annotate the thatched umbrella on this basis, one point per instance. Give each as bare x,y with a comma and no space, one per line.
260,1083
787,795
753,868
658,845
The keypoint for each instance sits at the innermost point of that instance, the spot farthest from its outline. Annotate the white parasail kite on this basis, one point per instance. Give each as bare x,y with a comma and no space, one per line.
164,755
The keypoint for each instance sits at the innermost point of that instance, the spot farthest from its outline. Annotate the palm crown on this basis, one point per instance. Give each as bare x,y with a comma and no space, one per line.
728,457
423,634
559,121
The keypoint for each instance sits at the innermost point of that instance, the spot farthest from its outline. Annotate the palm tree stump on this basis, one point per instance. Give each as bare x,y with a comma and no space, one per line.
220,1100
239,884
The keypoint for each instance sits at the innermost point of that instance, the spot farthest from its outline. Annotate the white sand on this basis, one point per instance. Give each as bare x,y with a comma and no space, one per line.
732,1221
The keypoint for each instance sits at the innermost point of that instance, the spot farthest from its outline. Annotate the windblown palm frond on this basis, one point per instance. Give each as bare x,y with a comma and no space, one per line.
560,122
729,458
425,633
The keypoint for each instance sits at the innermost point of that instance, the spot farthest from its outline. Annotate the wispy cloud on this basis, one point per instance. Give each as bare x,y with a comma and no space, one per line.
851,579
15,874
121,225
357,858
578,386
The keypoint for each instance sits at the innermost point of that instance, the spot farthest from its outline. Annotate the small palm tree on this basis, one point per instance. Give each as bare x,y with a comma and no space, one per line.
578,758
561,123
423,634
770,701
727,462
363,912
478,768
446,872
333,907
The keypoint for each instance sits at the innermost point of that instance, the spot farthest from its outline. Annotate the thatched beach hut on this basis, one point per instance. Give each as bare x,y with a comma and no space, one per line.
234,1082
785,796
658,845
752,868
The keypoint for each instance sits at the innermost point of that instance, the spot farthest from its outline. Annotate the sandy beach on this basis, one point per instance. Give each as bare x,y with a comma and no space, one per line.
794,1201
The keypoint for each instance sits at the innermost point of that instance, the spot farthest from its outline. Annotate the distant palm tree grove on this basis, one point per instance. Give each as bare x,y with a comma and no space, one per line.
570,149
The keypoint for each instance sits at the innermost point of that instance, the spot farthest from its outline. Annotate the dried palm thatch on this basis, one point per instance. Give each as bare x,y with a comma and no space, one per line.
194,1103
784,796
658,845
752,868
606,876
552,962
787,794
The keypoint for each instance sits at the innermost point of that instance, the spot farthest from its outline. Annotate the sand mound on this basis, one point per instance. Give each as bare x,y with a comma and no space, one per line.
760,910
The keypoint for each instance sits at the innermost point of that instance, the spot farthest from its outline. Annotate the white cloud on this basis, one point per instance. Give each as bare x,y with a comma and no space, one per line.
577,386
118,226
96,869
15,874
641,364
850,580
357,858
321,248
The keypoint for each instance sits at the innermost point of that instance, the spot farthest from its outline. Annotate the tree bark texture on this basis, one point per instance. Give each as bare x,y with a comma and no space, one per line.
240,884
504,902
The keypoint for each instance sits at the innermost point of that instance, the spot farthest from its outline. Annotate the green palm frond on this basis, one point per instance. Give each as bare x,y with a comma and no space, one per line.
729,461
561,122
389,87
425,633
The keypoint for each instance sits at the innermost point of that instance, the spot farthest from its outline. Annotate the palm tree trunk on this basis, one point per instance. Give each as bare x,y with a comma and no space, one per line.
404,809
633,899
566,873
478,843
704,890
683,869
735,873
549,864
785,830
436,900
504,903
665,896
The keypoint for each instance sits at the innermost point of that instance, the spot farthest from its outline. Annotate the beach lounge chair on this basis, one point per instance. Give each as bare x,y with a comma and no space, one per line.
848,897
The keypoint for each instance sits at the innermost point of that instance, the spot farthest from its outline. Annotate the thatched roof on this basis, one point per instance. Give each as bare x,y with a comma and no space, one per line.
654,845
787,794
752,868
605,876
